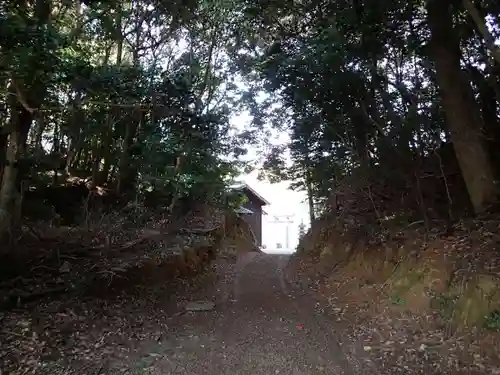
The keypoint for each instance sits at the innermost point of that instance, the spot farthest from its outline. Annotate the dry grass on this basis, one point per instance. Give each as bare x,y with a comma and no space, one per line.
131,276
413,283
414,292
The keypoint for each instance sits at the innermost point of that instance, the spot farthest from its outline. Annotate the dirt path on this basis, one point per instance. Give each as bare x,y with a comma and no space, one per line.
260,327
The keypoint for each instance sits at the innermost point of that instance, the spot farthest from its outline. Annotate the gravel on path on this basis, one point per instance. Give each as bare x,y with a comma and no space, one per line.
261,327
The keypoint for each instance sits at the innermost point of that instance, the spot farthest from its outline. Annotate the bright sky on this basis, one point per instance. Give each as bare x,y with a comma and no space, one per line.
283,201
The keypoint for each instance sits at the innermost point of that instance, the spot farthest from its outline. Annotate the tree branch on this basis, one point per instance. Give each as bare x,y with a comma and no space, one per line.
483,28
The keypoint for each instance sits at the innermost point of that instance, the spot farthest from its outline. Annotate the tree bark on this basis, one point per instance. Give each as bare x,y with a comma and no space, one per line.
310,197
20,122
127,172
75,133
107,142
4,138
23,102
96,162
462,113
38,134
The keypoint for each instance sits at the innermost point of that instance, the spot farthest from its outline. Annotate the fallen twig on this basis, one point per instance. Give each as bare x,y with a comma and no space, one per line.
197,231
14,299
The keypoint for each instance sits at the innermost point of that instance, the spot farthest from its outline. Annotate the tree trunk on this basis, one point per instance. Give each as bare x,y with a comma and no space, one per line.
106,165
491,123
56,147
38,134
9,195
96,162
23,101
463,115
84,158
75,161
488,103
4,138
127,172
76,134
106,152
73,155
361,129
310,198
119,34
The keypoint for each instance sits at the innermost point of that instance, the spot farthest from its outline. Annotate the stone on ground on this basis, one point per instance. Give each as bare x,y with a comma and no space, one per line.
200,306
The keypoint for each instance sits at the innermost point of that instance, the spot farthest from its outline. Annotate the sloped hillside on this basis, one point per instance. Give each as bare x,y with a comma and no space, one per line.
49,260
424,299
134,264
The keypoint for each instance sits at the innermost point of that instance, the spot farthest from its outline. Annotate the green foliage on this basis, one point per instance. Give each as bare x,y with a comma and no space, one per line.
397,300
492,321
134,95
121,90
445,305
355,87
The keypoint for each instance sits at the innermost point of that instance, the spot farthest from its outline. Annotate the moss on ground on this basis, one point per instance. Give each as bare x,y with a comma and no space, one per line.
426,284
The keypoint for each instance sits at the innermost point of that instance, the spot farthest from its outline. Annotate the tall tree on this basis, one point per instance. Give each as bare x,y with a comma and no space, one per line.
132,95
463,115
384,86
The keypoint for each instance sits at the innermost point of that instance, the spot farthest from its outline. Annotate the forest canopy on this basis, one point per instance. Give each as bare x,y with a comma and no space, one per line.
396,100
